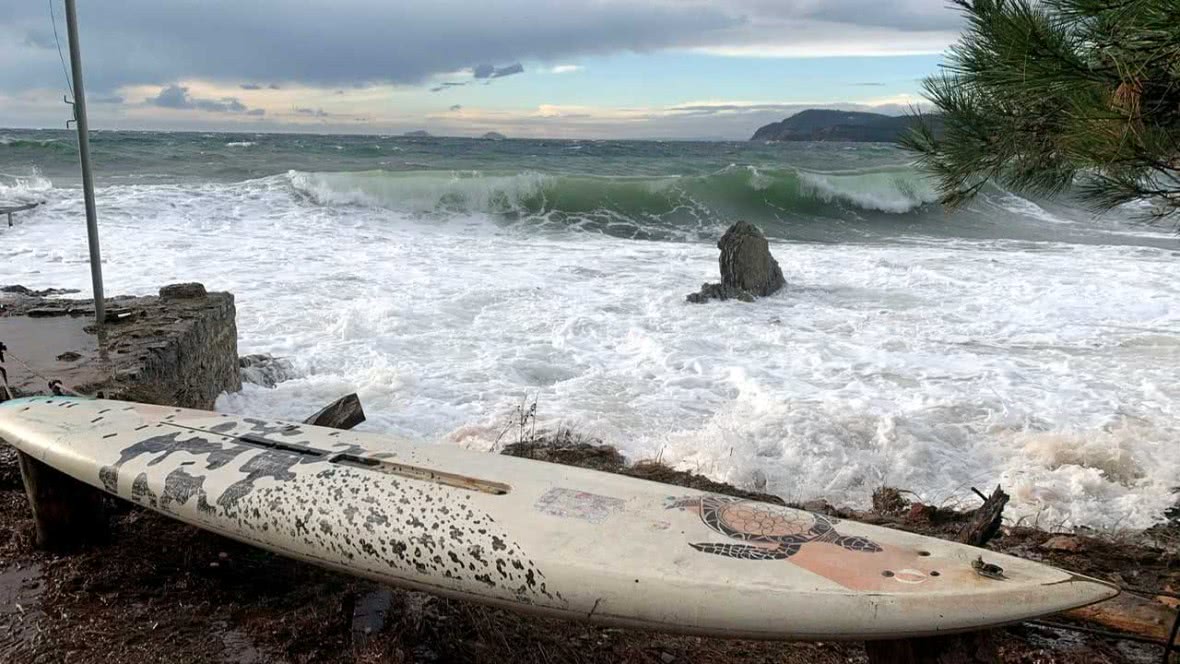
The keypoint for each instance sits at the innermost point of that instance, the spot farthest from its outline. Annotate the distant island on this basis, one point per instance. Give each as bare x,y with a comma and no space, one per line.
494,136
421,133
828,125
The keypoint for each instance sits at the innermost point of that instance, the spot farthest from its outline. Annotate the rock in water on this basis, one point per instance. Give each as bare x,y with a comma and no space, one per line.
747,268
264,369
343,413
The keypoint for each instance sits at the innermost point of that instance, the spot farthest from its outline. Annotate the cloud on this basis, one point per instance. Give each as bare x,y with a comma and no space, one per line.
250,86
515,68
565,69
273,86
178,97
256,111
456,107
486,71
448,84
110,99
314,112
360,42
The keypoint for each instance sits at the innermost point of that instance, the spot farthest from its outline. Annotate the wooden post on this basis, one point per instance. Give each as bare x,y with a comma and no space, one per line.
68,514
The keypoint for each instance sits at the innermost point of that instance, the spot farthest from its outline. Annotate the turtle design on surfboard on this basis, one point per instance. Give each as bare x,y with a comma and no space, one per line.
774,533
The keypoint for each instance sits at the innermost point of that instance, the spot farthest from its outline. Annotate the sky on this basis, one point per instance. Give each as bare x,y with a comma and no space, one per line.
524,68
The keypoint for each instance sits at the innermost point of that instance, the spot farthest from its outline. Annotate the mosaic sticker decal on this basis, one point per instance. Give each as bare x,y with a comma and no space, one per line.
774,533
582,505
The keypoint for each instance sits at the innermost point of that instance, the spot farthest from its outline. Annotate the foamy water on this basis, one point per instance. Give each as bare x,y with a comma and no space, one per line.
931,365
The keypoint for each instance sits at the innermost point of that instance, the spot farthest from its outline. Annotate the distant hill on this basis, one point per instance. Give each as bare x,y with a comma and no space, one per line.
826,125
421,133
493,136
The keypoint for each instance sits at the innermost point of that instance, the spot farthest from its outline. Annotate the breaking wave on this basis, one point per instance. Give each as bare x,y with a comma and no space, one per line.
24,188
736,190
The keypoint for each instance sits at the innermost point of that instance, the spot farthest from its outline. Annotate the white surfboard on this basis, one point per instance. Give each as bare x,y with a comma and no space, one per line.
534,536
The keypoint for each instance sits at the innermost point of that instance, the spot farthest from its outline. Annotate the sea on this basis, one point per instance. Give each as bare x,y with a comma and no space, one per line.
455,282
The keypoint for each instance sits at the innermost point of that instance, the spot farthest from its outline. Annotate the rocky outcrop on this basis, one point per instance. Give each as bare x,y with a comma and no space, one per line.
180,349
183,291
265,369
28,292
832,125
747,268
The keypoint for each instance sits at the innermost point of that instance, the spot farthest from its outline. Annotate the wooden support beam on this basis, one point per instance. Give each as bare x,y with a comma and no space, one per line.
68,514
972,648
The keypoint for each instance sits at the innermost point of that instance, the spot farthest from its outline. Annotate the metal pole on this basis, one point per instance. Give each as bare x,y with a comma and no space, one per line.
84,157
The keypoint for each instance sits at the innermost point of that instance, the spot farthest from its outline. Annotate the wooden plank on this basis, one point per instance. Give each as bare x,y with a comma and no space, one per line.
8,209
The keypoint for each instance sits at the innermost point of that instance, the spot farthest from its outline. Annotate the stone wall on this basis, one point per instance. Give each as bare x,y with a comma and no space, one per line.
180,348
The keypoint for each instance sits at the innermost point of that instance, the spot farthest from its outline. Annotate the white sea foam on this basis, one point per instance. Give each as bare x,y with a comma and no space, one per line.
930,366
887,190
22,188
240,144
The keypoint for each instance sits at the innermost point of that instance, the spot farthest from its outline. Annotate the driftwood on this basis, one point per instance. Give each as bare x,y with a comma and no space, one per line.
985,523
68,514
343,413
1131,614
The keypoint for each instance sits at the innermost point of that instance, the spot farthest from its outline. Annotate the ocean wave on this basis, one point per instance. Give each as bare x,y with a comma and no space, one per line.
24,188
52,144
749,191
240,144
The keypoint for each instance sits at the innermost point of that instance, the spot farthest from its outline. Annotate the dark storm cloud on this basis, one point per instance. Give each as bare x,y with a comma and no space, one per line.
348,41
358,42
491,71
511,69
177,97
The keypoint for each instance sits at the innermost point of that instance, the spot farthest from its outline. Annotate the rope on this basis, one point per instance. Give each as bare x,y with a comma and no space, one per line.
53,20
54,384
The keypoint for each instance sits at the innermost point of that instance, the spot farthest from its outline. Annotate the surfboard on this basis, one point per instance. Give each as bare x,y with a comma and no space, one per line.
534,536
